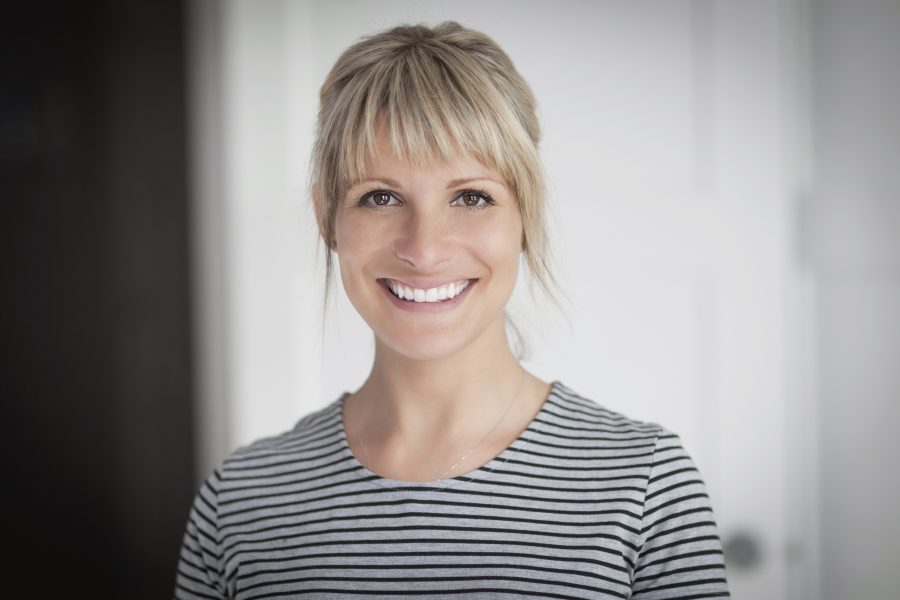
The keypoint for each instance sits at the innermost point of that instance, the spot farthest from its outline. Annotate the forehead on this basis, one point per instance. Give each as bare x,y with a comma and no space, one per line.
384,164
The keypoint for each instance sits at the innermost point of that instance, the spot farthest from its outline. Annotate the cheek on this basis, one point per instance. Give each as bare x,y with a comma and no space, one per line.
356,239
353,248
498,242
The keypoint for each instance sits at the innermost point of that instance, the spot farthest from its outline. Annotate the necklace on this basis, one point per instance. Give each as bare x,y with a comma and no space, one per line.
459,461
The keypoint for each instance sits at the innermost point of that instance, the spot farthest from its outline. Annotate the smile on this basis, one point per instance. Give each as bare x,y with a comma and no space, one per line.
441,293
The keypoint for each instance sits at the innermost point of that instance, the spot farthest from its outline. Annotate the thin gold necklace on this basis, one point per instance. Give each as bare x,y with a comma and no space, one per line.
369,464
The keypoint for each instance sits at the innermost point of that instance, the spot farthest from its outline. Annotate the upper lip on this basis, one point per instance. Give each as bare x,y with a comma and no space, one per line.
426,284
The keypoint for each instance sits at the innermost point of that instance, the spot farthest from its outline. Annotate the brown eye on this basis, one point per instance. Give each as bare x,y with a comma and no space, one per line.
378,199
473,199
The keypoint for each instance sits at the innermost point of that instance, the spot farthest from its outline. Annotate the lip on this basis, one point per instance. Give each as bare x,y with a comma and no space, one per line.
426,307
427,284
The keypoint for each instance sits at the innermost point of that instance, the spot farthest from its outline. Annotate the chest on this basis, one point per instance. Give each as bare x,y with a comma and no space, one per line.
427,543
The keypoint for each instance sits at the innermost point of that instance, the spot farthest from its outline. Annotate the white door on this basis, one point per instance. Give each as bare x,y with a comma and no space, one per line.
669,162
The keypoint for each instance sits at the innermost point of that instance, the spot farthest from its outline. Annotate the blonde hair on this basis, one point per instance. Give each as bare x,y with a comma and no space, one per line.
437,91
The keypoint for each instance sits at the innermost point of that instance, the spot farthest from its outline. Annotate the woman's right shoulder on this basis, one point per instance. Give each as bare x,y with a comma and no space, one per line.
315,433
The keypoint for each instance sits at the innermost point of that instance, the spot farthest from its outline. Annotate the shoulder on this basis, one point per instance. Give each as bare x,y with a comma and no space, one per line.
567,409
315,433
577,423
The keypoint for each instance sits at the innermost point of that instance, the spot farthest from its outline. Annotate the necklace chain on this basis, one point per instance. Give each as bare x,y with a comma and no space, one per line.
466,455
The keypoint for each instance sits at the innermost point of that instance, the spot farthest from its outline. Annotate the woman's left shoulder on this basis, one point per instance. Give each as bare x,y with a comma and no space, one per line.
569,408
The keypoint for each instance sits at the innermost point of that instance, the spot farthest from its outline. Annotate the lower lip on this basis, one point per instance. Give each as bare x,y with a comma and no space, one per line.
427,307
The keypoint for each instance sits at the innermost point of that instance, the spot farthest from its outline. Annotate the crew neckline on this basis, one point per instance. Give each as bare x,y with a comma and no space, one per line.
521,441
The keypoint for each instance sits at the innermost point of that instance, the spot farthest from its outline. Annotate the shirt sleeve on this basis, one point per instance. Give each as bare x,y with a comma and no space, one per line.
200,564
680,555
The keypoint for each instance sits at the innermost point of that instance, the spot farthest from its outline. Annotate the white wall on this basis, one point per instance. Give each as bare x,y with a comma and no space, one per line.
854,245
673,165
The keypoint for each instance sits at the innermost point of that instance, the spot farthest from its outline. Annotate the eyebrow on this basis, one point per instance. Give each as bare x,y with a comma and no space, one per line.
458,182
387,180
452,184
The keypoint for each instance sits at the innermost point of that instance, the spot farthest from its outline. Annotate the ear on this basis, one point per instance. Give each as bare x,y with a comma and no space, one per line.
320,218
317,207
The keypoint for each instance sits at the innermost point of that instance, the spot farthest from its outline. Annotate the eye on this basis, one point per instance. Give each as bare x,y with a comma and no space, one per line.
474,199
378,199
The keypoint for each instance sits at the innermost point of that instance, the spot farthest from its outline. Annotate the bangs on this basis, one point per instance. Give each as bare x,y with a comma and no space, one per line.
426,109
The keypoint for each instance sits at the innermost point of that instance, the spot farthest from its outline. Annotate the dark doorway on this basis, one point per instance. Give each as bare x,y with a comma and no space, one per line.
97,381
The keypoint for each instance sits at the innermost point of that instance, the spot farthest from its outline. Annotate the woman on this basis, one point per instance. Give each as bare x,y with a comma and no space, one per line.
452,471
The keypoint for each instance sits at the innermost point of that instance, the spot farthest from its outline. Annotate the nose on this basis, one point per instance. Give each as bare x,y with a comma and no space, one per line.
423,241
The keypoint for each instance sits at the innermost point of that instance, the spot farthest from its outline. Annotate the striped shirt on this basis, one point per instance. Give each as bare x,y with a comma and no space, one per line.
585,503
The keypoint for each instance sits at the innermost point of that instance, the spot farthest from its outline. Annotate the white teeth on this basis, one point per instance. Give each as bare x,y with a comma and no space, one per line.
438,294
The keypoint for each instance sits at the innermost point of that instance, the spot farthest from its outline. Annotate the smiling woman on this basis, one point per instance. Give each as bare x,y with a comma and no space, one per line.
452,471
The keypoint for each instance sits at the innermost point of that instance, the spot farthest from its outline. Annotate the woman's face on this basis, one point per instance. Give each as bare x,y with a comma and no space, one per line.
429,256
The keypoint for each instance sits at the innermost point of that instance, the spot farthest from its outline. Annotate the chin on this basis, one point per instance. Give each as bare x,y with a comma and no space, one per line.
425,347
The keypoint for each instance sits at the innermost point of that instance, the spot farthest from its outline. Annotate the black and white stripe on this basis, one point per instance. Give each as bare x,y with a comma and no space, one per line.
584,504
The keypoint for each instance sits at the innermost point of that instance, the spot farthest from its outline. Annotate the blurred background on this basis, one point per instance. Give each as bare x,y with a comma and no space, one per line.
725,196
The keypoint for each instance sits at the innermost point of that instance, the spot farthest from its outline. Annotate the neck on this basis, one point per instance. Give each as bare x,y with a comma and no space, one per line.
419,400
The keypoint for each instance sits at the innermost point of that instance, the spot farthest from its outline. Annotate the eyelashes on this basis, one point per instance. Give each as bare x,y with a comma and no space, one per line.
377,199
478,195
470,199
